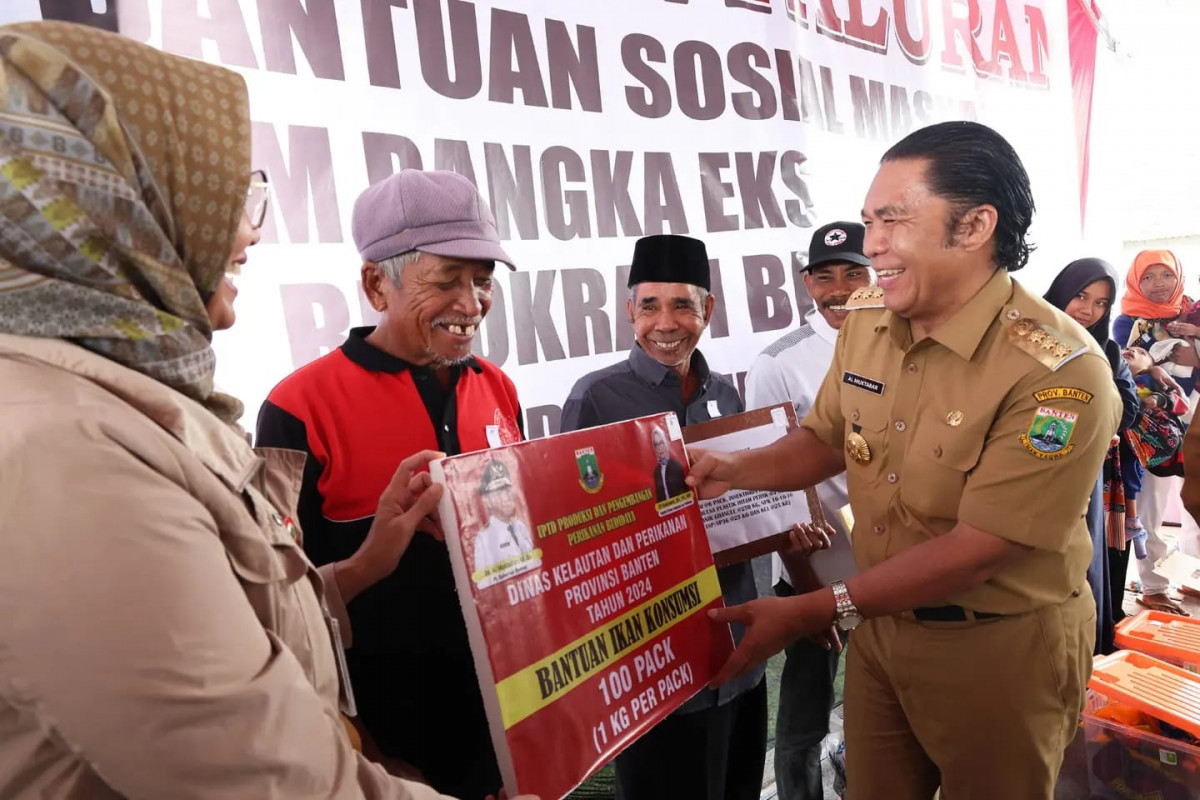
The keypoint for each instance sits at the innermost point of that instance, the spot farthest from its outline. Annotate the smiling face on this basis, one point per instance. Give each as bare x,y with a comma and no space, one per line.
1158,283
668,320
928,259
432,315
1091,304
220,306
830,286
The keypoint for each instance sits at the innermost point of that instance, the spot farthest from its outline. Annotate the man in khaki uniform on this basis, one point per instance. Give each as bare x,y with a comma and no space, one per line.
971,419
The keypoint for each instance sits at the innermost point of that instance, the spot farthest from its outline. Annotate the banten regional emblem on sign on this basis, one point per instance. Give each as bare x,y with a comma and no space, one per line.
590,477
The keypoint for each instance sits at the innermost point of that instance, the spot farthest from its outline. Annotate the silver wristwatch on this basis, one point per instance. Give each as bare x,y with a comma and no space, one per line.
846,616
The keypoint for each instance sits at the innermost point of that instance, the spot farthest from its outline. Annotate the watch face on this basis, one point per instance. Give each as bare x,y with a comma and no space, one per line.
849,622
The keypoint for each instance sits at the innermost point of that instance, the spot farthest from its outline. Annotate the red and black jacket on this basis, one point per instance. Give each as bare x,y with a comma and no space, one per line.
358,412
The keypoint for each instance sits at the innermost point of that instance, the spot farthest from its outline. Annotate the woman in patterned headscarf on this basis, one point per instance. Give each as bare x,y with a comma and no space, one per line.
125,174
161,632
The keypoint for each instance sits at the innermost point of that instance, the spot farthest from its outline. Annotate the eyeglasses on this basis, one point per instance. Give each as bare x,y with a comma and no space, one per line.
256,198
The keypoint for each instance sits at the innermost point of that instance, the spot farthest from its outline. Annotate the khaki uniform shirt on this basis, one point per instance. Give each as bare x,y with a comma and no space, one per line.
1000,419
162,634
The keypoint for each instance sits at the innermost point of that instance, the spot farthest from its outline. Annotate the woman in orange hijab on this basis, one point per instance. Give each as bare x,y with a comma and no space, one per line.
1151,311
1153,297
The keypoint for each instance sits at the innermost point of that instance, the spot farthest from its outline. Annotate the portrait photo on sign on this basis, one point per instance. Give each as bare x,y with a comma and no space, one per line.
667,473
499,544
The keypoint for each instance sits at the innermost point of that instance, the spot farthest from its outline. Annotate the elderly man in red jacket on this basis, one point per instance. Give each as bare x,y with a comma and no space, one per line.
429,246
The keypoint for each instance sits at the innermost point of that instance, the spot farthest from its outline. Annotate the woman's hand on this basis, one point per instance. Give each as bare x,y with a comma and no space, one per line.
1163,377
1184,355
1183,329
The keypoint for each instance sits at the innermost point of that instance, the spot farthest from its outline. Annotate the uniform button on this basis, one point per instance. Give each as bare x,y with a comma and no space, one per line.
1013,314
446,428
893,477
912,367
277,519
900,426
854,416
879,529
937,451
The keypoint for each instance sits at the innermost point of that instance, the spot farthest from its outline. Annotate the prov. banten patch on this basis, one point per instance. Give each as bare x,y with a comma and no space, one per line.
1062,393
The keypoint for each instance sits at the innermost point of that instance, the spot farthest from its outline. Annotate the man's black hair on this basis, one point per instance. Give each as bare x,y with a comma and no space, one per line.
971,165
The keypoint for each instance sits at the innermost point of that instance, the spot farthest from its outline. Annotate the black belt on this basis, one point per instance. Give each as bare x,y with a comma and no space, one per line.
949,614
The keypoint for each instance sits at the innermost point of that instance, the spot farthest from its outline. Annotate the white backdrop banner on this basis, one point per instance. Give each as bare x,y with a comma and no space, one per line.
745,123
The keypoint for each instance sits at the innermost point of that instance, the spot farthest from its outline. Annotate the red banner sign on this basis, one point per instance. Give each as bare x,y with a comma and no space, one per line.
584,571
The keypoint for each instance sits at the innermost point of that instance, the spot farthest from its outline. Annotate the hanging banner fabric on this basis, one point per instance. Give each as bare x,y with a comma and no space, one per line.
745,123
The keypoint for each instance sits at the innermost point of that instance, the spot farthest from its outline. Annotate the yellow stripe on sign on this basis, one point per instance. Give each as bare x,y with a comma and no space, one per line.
543,682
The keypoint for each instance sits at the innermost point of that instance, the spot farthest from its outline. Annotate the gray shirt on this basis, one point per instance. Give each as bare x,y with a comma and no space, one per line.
640,386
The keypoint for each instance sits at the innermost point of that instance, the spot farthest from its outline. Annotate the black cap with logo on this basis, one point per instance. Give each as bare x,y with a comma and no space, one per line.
837,242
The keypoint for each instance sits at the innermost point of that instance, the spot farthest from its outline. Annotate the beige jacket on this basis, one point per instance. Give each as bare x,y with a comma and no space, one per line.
161,634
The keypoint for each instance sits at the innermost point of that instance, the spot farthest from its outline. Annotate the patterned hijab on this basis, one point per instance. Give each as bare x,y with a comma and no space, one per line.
123,176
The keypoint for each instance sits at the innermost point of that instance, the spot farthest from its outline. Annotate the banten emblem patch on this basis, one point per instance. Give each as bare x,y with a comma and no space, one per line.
590,476
1049,434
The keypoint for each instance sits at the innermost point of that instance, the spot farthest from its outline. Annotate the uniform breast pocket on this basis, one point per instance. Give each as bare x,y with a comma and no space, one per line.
270,566
937,464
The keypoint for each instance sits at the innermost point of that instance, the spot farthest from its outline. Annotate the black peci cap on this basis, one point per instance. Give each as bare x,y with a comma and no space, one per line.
667,258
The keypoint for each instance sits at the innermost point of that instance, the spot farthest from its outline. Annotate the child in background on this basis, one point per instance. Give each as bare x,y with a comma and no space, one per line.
1157,389
1158,435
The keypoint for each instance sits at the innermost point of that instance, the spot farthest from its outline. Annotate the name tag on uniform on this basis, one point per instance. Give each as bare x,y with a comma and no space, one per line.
861,382
713,410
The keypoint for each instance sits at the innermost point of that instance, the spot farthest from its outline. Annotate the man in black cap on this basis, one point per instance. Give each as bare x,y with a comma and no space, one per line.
791,371
713,747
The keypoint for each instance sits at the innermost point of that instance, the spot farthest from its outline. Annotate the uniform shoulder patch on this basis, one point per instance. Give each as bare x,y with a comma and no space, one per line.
1049,435
1050,347
1063,393
866,297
